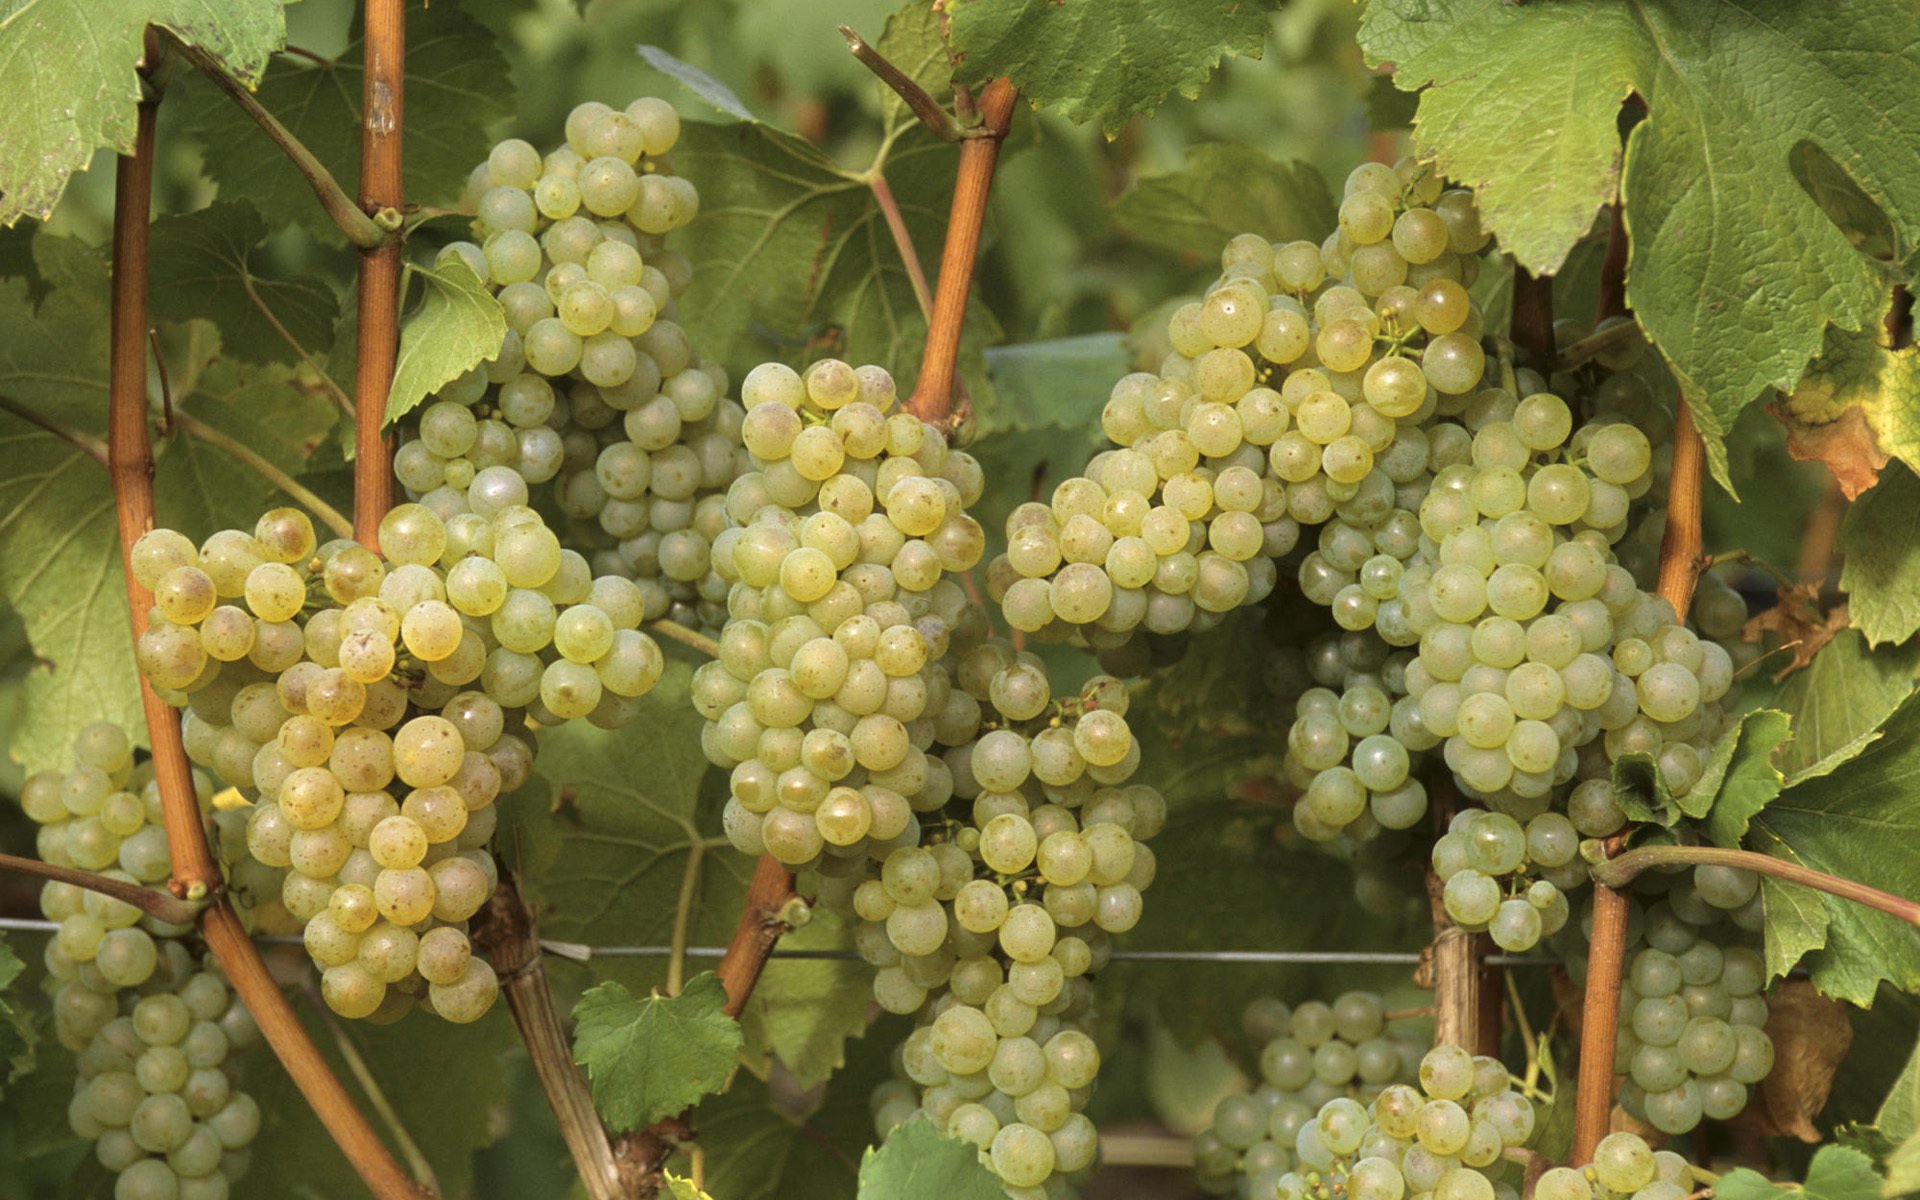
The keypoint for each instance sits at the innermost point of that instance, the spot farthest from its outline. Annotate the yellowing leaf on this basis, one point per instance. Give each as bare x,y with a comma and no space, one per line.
1857,406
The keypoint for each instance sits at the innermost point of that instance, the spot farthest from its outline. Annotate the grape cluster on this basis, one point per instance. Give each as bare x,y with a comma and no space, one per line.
1624,1167
377,706
1445,1137
1507,878
151,1018
1308,1056
597,389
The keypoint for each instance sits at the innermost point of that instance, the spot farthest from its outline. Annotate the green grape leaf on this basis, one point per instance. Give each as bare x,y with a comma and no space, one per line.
1836,1173
67,70
458,84
59,542
458,326
1898,1121
795,258
1857,406
1222,191
804,1009
1737,268
1104,62
683,1189
1739,778
446,1083
1840,701
203,265
918,1163
1859,822
1641,790
1881,574
615,830
1041,422
17,1033
696,81
651,1056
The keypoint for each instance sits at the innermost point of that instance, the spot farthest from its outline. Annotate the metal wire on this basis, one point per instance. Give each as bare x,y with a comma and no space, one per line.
579,952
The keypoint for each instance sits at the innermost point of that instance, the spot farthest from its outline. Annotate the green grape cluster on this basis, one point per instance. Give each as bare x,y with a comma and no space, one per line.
597,390
1507,878
1445,1137
1308,1056
149,1015
1624,1167
377,706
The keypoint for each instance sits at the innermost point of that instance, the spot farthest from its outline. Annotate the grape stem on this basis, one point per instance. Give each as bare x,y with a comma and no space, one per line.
902,240
925,107
686,637
683,917
196,876
1599,343
1618,872
161,906
377,318
80,440
356,225
762,922
933,395
299,492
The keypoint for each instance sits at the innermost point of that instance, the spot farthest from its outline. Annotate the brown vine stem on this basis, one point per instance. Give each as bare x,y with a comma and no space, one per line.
79,439
195,874
377,319
1599,1019
1682,553
1618,872
506,930
932,399
925,107
155,903
1532,325
329,516
761,923
358,227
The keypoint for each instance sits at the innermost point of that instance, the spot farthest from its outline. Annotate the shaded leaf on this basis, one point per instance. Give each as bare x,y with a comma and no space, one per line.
651,1056
1739,777
918,1163
1880,538
804,1009
1054,389
1839,702
67,70
1225,190
203,265
17,1033
1836,1173
1105,61
1641,790
457,85
458,326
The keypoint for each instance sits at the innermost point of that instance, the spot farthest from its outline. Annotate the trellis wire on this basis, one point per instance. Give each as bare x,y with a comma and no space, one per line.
579,952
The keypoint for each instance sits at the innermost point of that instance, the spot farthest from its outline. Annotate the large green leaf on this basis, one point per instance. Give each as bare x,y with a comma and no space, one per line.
1840,700
1739,778
202,265
651,1056
1860,822
1880,538
59,549
457,86
805,1009
67,71
1222,191
1041,423
1104,60
1836,1173
1737,269
17,1033
917,1163
458,326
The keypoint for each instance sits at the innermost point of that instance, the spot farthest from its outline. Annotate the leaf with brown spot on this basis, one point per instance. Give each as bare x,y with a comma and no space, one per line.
1799,624
1810,1035
1857,407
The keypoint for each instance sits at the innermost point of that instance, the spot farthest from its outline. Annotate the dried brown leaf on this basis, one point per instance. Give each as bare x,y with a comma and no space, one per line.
1811,1035
1846,444
1796,620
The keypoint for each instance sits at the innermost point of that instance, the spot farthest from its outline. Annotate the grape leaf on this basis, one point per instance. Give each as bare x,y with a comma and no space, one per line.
59,543
67,70
1836,1173
1104,60
1222,191
651,1056
795,258
202,266
445,1082
1880,539
915,40
458,326
1641,790
457,86
1859,822
1737,268
1840,701
696,81
683,1189
17,1033
917,1163
1041,422
804,1009
1855,408
1739,777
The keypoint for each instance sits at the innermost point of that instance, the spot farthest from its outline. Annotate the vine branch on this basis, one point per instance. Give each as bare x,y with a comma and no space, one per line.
762,922
161,906
932,399
358,227
195,874
1618,872
377,317
925,107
